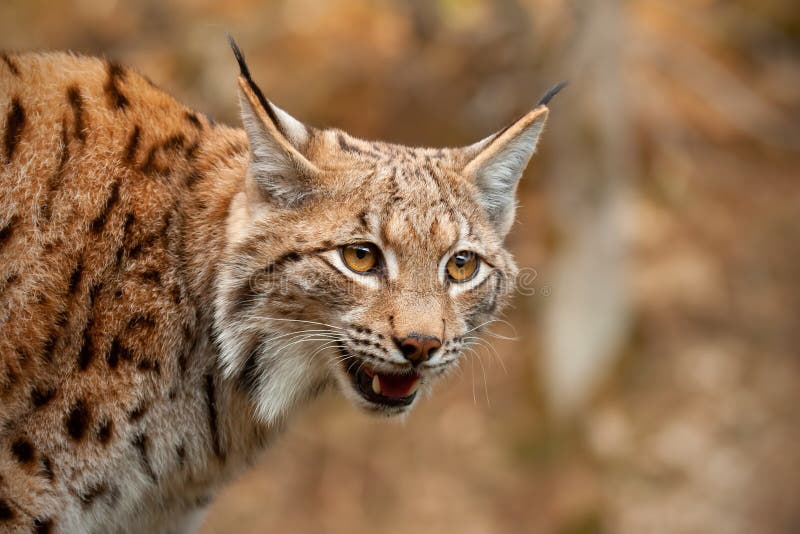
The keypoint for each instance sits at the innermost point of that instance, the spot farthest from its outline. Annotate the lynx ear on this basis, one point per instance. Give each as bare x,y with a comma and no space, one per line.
277,166
496,163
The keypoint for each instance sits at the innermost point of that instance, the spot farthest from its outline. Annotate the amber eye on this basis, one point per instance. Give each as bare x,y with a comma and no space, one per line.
360,257
462,266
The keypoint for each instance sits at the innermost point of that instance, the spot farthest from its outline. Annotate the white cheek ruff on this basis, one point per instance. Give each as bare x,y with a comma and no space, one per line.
285,375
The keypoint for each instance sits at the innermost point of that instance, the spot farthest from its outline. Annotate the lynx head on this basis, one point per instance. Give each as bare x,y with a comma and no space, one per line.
369,265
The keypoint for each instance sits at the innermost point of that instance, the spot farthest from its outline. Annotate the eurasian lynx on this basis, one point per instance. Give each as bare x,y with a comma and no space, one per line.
171,288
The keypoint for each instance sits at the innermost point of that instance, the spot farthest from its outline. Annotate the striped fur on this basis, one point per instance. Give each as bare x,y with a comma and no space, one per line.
157,272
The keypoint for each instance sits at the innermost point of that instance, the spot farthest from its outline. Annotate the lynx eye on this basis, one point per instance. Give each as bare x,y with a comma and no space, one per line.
462,266
360,257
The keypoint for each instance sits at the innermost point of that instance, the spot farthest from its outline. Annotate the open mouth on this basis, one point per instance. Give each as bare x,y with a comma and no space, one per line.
383,388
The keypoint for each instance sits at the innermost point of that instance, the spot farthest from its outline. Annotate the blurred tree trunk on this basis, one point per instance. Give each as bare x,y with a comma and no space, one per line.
587,316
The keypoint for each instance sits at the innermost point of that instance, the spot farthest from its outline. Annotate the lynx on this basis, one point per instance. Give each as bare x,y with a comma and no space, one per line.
172,289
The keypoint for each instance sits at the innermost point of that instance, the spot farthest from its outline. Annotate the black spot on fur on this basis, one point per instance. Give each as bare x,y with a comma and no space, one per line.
211,403
7,231
92,493
76,103
146,242
75,277
132,145
183,358
54,181
152,275
100,221
47,468
41,396
174,142
43,526
116,353
193,177
116,74
23,451
112,356
149,365
180,450
191,151
77,420
130,218
171,143
194,120
15,124
6,513
140,443
118,260
11,64
94,291
86,354
148,166
105,430
138,412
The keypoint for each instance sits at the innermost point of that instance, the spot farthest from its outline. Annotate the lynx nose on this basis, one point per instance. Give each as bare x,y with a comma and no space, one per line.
418,348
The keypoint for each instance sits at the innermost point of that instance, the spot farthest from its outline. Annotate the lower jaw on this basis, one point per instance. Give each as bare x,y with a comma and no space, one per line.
382,410
386,403
376,401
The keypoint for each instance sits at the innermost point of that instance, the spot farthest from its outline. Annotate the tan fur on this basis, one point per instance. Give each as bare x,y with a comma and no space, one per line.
153,273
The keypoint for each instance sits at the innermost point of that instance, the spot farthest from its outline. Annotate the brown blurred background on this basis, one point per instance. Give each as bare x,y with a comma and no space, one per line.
654,383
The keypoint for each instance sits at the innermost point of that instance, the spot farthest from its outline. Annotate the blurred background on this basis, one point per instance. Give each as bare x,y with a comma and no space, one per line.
654,382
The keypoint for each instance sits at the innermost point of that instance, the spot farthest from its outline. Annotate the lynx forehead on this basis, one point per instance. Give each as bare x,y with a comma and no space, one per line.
171,288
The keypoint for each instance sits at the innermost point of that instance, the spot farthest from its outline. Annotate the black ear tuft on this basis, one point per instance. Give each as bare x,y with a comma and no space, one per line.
239,58
553,91
245,72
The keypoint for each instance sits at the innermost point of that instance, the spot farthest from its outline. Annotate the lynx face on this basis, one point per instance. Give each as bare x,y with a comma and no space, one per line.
369,265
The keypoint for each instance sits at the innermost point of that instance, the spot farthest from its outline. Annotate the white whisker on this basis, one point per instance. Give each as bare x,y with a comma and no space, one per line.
483,370
477,341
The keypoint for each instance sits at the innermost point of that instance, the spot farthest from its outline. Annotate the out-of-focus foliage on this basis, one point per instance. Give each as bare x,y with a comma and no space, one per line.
654,383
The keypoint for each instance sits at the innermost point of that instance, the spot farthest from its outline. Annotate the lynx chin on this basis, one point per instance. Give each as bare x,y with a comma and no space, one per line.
171,289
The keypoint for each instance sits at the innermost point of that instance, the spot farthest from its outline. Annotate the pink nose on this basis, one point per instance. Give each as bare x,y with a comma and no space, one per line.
418,348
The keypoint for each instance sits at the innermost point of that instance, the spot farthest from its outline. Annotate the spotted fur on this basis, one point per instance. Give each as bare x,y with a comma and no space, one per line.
171,289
